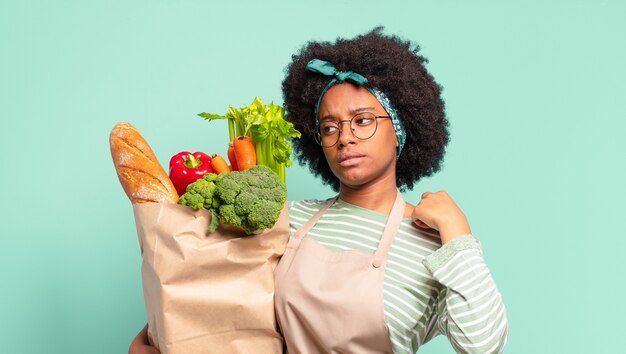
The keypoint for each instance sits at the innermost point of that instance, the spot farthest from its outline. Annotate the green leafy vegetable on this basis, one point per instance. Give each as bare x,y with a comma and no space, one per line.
250,199
269,130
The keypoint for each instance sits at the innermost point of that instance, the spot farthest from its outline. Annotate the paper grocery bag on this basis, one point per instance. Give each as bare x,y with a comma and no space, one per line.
208,293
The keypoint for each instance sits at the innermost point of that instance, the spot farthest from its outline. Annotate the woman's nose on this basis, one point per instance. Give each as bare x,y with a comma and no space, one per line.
346,135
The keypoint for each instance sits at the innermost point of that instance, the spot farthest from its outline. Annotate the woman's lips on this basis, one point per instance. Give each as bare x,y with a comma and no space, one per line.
350,159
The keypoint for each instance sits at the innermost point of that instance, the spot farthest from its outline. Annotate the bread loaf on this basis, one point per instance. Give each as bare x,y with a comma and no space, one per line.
140,173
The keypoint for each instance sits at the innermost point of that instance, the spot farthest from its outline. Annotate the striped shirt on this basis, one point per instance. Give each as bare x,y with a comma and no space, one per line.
428,289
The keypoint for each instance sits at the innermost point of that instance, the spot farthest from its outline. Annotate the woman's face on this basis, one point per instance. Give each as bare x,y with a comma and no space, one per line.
358,163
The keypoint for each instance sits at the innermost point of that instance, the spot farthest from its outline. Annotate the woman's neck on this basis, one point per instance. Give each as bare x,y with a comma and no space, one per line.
378,196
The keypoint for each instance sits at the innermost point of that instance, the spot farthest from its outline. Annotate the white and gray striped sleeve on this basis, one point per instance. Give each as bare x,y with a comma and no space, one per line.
470,311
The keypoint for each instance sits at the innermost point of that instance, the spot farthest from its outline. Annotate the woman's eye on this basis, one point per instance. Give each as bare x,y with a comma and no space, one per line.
328,129
361,121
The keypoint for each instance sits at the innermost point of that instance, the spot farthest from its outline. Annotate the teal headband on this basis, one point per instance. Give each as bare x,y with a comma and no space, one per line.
328,69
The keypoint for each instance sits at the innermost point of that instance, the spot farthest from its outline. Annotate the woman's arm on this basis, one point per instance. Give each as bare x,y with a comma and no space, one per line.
140,344
470,311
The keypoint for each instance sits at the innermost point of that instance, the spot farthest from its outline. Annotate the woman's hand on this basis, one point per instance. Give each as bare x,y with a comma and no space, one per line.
140,344
438,211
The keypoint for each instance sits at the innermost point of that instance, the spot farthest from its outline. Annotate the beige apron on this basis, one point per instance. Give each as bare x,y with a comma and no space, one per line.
332,302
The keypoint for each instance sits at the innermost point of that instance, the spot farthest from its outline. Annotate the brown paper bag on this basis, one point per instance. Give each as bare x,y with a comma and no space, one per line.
208,293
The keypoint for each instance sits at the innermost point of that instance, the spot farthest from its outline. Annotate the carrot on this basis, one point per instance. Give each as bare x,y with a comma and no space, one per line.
244,152
219,164
231,157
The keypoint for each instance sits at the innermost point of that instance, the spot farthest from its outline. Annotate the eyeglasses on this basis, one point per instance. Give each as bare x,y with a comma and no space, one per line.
362,125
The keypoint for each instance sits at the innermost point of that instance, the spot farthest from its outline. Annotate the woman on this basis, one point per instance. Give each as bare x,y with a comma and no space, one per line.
366,272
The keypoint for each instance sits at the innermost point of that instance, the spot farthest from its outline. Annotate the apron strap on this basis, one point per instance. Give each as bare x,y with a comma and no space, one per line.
304,229
389,233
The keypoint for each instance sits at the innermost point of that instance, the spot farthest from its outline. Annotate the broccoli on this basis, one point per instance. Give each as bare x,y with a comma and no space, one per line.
199,195
250,199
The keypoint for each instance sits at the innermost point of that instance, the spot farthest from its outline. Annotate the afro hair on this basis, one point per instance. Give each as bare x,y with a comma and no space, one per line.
390,64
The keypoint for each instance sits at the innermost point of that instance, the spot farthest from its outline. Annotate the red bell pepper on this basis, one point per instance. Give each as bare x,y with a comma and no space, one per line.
186,168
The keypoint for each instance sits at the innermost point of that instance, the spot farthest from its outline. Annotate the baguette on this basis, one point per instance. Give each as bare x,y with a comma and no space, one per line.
138,169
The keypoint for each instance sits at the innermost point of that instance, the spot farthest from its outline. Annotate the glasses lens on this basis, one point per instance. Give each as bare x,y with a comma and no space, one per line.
363,126
328,134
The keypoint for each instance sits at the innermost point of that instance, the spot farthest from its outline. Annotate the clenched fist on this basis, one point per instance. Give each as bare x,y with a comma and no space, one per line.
438,211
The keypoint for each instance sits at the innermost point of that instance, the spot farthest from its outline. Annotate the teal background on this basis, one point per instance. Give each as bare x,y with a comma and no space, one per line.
534,93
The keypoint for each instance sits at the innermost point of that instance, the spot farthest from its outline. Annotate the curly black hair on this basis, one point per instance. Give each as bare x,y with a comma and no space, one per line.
390,64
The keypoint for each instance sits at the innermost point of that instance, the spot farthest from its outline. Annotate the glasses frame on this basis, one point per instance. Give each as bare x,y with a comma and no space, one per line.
318,135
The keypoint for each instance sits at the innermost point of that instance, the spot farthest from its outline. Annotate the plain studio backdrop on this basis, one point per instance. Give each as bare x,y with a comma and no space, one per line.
534,92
